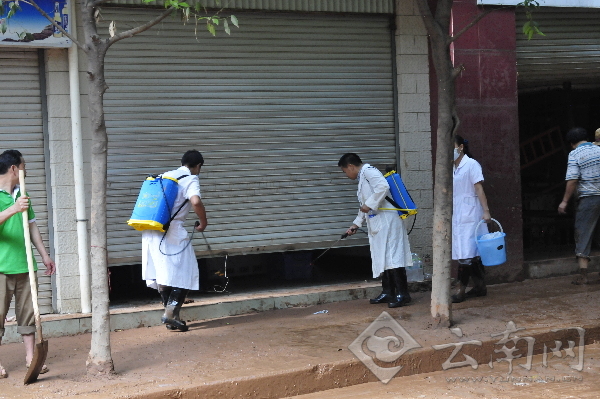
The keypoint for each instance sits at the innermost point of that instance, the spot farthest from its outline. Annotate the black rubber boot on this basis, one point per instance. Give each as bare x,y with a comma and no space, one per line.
400,286
464,273
387,294
165,292
174,304
478,274
176,312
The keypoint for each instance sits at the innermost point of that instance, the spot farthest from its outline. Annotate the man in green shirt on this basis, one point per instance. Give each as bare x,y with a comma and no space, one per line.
14,276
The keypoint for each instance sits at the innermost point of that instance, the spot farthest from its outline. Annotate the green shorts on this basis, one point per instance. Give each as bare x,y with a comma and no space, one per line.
17,285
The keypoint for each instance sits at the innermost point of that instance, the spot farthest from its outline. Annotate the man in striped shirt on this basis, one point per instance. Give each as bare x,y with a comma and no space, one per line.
583,176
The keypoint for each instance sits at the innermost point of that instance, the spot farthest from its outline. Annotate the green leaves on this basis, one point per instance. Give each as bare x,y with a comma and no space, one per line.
13,7
530,27
213,21
234,20
200,13
211,28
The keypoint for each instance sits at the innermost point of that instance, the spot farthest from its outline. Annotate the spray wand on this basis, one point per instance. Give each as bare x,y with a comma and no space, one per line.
335,243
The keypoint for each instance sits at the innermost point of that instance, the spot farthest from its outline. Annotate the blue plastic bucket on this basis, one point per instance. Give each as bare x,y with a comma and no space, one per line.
492,251
152,210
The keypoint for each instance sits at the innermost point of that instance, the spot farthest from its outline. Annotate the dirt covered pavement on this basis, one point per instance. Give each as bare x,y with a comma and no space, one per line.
556,381
289,352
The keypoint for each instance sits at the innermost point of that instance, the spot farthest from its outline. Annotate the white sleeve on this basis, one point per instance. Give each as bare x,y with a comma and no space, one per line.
359,219
192,187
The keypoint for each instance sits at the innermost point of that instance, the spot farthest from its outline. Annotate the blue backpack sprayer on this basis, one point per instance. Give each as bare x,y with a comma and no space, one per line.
153,209
154,206
401,201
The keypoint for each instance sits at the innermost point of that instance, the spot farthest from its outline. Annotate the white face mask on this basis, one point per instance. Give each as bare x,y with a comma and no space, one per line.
456,153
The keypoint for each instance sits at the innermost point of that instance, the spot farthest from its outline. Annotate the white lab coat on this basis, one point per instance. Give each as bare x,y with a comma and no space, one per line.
467,210
180,270
388,240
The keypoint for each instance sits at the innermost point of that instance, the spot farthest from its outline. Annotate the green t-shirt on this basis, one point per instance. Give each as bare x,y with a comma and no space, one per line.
13,258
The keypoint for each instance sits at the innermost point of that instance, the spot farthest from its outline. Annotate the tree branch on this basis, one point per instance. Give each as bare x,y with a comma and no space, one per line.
141,28
478,18
471,24
457,71
60,28
428,19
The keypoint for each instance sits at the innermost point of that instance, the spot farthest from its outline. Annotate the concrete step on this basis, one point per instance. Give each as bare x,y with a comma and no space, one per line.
558,266
203,308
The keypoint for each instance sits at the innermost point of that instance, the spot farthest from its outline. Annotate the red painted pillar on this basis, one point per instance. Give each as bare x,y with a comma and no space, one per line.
487,107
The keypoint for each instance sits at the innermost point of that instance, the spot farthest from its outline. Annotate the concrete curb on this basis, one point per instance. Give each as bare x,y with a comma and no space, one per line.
347,373
557,267
213,308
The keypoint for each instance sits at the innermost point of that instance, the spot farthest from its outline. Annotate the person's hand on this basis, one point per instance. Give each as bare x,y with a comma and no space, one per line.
365,209
200,227
21,204
562,208
486,216
50,265
352,230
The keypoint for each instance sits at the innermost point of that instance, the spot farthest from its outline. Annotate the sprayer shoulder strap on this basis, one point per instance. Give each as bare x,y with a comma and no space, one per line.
166,227
184,202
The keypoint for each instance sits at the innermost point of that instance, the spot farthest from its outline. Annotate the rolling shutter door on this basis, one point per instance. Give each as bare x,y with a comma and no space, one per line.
21,129
570,51
271,107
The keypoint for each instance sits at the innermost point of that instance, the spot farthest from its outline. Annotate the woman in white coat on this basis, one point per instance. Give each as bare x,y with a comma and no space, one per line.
469,207
390,250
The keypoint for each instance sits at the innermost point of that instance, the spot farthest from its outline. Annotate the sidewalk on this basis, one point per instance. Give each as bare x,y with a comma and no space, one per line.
286,352
552,382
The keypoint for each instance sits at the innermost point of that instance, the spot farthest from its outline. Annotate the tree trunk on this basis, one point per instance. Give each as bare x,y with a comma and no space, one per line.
437,23
99,360
441,309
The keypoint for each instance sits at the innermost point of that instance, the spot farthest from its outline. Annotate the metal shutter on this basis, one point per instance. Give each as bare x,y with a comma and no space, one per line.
271,107
21,129
570,51
357,6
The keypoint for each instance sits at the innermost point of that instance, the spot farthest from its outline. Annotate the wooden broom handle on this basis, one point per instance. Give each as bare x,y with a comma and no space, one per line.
29,252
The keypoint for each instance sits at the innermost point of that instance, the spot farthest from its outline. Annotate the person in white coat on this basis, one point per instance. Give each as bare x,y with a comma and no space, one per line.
390,249
168,261
469,207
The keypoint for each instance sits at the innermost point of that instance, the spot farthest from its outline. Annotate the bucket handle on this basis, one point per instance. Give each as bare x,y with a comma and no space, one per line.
482,220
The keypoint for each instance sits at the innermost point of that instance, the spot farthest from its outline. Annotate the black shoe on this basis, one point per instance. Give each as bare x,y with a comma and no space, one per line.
173,324
458,298
400,300
173,328
387,294
475,292
382,298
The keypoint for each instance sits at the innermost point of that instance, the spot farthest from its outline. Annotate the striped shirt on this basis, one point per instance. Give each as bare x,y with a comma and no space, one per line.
584,165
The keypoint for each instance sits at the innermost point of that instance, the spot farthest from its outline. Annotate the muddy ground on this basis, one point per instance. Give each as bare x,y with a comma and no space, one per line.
556,381
154,362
